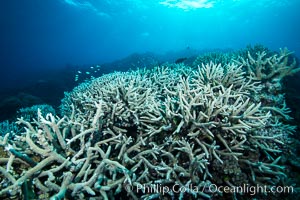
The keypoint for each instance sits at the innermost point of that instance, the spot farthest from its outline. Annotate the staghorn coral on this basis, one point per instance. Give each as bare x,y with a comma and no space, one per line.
215,57
273,67
165,126
29,113
8,127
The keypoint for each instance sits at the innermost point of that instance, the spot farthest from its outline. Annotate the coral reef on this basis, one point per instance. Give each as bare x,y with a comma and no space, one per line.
30,113
8,127
140,132
265,68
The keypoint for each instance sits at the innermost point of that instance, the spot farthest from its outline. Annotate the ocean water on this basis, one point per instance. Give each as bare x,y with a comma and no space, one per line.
49,47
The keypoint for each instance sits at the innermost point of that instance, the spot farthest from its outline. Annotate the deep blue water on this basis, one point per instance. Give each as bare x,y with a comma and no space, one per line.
38,37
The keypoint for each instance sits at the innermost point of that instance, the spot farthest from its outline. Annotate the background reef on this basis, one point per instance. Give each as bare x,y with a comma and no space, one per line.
219,117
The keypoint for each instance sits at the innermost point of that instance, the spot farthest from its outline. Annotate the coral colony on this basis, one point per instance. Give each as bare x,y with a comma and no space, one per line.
140,133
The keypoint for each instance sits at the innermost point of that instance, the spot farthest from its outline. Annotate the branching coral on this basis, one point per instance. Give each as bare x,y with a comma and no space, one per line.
164,126
273,67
